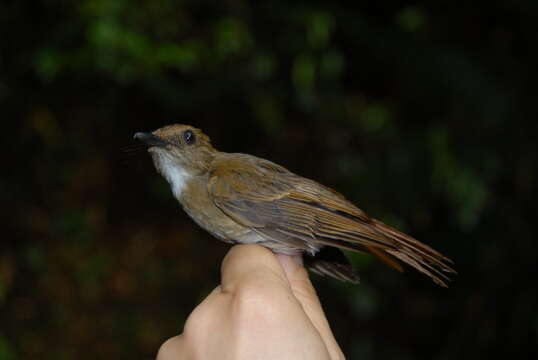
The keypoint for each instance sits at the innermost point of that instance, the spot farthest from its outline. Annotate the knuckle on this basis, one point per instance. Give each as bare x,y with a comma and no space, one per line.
170,348
257,302
195,323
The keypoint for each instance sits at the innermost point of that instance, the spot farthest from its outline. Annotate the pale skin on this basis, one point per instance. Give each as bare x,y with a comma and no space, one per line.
264,308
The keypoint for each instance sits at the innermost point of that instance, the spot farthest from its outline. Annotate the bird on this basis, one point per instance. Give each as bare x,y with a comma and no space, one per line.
243,199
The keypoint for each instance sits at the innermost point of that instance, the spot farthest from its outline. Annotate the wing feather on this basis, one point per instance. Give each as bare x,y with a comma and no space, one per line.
279,204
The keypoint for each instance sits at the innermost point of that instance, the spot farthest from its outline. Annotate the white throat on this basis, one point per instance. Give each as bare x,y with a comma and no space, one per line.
175,174
177,178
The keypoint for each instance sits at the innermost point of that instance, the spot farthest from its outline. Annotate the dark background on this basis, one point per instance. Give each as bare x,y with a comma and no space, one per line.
424,114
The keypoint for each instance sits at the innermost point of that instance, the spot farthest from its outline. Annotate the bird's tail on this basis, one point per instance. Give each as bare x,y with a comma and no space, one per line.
332,262
388,245
414,253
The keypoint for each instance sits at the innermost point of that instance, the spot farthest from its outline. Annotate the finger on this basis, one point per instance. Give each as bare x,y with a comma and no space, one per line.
263,307
173,349
305,293
251,263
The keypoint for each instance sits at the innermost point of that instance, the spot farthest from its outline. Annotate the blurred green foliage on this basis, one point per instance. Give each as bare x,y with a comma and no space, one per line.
421,113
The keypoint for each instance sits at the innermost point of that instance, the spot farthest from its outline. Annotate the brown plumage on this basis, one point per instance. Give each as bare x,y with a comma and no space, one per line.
245,199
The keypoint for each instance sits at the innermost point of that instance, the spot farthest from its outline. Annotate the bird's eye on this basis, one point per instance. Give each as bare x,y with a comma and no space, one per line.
189,137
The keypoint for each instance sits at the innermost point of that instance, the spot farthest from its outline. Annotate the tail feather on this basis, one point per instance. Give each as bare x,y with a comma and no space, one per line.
391,246
386,258
332,262
416,254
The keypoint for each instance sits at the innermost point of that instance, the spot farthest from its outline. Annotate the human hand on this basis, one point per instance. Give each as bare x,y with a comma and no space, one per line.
265,308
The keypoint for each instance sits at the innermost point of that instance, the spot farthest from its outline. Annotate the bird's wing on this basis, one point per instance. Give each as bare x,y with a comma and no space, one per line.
263,195
281,205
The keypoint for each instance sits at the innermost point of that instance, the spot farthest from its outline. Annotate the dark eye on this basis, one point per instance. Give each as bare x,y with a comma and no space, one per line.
189,137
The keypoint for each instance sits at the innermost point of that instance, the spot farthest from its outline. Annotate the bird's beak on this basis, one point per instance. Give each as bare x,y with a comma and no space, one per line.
150,139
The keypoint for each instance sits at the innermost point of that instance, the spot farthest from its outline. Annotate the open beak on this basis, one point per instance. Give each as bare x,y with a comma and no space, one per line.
150,139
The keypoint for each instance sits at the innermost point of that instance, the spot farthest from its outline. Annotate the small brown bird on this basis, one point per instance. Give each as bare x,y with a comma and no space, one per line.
241,198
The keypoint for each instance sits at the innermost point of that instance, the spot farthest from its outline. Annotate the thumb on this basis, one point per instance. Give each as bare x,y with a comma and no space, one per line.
304,291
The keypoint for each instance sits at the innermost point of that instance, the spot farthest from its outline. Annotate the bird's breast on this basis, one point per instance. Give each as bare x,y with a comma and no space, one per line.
196,202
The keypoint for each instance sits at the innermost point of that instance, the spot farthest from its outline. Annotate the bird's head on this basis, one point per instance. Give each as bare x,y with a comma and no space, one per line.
178,148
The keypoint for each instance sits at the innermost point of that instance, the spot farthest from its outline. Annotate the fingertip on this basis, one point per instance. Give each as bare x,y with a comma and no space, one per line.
297,276
172,349
292,265
244,262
